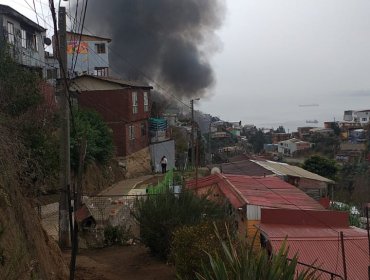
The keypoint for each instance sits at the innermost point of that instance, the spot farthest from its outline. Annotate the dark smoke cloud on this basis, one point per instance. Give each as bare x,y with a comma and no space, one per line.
166,39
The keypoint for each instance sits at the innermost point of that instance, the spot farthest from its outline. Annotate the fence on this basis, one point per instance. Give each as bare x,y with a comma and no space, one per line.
162,186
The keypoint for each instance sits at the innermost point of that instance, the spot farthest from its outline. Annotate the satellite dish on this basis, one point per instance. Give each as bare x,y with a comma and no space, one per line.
47,41
215,170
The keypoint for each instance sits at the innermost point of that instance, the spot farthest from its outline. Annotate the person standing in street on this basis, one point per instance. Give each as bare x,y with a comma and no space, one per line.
164,164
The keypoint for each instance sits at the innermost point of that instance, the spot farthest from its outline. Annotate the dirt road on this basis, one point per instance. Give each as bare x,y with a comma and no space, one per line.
121,263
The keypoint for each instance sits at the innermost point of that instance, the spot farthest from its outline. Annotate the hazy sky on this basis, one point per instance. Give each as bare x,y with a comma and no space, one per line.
277,54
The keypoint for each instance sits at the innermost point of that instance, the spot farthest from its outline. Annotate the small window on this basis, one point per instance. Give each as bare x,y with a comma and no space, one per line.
24,38
100,48
51,74
10,33
131,132
134,103
101,71
146,102
364,119
35,42
143,129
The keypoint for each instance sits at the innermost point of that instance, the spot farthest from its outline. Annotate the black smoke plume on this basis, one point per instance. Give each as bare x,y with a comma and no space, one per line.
169,40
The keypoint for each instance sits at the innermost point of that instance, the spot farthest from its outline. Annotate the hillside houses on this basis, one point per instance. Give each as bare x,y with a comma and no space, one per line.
314,185
247,195
272,212
25,39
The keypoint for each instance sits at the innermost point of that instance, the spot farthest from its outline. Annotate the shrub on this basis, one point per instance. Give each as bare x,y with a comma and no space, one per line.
116,235
159,216
190,244
240,261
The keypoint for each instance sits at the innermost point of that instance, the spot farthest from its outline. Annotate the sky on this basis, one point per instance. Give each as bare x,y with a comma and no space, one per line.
275,55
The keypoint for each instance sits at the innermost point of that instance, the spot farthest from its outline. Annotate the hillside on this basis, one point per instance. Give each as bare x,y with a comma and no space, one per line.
26,252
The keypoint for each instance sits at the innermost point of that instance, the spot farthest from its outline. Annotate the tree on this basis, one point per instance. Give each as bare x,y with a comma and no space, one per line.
321,165
257,140
280,129
89,125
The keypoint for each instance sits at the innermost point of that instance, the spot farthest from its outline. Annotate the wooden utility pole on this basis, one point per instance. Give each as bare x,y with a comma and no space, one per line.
192,133
368,234
65,172
343,256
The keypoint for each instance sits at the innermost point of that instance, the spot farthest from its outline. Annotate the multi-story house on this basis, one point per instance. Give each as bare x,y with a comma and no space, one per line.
24,38
292,146
362,117
87,55
125,108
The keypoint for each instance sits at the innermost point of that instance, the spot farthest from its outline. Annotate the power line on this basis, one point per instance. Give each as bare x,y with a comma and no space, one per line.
80,35
34,6
165,91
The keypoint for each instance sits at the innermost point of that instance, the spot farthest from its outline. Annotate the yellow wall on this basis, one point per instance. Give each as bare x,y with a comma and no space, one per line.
252,231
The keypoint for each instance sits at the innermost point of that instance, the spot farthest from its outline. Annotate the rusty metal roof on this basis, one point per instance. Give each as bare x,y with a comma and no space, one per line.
321,246
270,192
245,167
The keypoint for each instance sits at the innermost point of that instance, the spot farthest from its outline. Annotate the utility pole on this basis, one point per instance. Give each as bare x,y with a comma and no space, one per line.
343,256
192,133
65,172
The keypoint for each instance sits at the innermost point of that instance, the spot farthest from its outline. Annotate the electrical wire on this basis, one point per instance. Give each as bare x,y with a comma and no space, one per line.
143,74
81,31
34,6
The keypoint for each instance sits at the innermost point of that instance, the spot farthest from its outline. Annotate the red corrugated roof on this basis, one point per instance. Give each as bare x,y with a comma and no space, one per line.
322,246
270,192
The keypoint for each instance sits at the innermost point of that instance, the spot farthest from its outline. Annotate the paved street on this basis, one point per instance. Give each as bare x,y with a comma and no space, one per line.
123,187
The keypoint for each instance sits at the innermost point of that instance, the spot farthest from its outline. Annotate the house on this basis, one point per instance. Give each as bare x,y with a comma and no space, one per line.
314,185
125,107
362,117
278,137
247,195
315,238
161,143
351,152
87,55
304,132
292,147
25,39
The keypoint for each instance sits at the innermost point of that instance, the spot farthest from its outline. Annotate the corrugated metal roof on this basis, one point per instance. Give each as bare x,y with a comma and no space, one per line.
91,83
245,167
295,171
321,246
269,192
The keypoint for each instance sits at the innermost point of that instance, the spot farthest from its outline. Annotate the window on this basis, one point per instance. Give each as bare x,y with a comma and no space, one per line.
134,103
36,42
51,74
364,119
131,132
143,129
10,33
101,71
100,48
146,102
24,38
